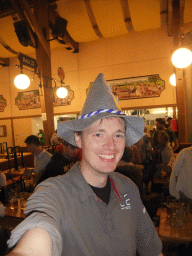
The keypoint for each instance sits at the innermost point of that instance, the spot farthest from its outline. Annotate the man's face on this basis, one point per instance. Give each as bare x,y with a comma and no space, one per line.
159,126
102,145
31,147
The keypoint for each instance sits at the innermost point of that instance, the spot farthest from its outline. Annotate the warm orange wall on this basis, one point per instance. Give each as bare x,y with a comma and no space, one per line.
140,54
22,128
137,55
7,138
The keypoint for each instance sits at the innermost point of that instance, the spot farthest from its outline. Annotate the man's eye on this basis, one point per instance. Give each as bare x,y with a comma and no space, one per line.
97,135
120,136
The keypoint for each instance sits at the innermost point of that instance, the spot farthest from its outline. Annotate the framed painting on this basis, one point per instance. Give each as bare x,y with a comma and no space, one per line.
28,100
3,103
136,87
3,131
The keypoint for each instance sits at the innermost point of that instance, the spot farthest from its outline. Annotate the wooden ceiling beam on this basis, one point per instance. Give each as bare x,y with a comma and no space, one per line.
24,11
4,62
92,18
7,47
66,40
126,15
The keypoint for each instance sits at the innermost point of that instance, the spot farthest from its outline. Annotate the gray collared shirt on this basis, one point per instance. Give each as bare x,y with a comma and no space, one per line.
81,224
41,161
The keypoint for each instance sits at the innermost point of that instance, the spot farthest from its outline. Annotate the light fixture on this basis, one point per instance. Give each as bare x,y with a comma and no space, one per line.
172,79
182,58
62,92
22,81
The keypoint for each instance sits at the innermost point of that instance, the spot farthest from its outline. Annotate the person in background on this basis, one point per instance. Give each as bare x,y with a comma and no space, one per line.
147,161
130,170
136,154
54,139
41,136
168,125
164,156
90,210
161,126
41,156
180,184
3,183
78,156
60,161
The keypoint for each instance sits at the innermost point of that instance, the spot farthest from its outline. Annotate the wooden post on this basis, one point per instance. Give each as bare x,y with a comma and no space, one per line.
44,63
177,7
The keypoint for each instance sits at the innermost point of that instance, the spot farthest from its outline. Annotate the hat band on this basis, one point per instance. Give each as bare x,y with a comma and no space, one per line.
112,111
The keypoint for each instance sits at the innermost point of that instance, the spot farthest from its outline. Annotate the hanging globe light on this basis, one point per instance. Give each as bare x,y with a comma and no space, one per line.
22,81
62,92
172,79
182,58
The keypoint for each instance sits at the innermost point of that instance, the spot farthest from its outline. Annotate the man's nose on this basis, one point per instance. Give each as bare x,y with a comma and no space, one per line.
109,143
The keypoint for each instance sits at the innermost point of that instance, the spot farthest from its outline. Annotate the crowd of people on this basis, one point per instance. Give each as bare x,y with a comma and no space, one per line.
82,204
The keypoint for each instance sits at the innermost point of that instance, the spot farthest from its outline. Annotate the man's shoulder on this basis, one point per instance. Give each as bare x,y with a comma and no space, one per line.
186,152
46,153
122,182
72,174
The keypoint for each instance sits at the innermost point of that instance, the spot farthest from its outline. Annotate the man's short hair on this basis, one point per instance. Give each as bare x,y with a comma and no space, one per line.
161,121
169,119
164,135
32,139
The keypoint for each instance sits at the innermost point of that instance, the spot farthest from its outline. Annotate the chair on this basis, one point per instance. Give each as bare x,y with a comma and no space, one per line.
12,150
3,147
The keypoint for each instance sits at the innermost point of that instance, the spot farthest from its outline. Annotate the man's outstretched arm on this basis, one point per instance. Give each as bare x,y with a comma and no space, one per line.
35,242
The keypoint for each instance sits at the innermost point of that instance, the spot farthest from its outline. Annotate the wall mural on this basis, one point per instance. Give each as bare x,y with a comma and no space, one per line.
136,87
28,100
3,103
31,99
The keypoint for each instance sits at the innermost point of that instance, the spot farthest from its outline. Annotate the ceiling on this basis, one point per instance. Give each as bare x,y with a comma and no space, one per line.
90,20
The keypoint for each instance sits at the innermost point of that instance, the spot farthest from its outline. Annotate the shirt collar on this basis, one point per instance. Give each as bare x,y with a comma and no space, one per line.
84,189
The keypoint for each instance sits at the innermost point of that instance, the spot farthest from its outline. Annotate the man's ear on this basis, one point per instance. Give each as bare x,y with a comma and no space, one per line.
78,140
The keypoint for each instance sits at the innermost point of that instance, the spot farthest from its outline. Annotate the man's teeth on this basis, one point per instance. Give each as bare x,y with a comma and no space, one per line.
107,156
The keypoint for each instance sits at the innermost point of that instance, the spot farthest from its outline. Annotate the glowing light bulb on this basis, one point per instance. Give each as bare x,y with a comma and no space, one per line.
22,81
172,79
182,58
62,92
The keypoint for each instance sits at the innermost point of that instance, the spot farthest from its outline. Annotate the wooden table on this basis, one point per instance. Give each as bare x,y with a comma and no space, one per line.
14,173
168,233
28,160
12,217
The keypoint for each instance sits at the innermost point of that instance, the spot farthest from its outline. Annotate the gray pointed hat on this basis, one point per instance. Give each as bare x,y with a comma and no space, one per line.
101,103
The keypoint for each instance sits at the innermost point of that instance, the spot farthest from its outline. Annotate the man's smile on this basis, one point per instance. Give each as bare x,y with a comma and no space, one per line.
107,156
